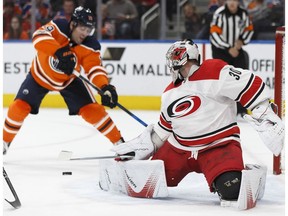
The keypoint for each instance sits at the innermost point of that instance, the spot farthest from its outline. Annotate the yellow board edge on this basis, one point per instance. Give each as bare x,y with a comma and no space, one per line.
129,102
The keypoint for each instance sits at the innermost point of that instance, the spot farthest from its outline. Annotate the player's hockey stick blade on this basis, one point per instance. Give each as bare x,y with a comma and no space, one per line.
67,155
16,203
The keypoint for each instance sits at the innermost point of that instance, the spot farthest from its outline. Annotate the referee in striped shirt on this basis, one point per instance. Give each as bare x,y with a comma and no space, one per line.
230,29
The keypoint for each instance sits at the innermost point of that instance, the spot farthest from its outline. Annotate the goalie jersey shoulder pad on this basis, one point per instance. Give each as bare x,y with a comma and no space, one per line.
210,69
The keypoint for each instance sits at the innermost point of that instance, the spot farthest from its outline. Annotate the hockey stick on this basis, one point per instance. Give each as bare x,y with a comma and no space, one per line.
16,203
67,155
76,73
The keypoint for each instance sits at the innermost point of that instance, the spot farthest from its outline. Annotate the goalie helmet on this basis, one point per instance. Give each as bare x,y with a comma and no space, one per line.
178,55
83,16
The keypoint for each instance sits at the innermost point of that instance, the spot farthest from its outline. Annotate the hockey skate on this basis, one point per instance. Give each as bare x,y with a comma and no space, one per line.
5,147
252,187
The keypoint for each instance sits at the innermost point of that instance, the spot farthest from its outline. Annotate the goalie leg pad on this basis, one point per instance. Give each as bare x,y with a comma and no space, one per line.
252,187
127,178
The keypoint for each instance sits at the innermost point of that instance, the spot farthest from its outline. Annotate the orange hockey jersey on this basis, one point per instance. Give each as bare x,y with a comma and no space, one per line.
54,35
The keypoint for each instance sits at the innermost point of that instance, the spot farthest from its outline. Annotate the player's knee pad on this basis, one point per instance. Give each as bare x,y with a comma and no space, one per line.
227,185
19,110
92,113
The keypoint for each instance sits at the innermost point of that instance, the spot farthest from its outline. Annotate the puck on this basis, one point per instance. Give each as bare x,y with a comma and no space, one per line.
66,173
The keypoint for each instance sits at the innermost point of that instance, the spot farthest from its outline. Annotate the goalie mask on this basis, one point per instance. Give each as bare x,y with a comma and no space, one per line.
178,55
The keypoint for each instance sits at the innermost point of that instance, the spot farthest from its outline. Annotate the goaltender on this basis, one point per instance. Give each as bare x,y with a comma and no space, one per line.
198,132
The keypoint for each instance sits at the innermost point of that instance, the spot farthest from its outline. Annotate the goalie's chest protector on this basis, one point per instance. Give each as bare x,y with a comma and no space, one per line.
196,110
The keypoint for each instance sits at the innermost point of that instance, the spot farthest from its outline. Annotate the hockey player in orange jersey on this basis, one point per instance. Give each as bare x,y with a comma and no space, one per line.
63,47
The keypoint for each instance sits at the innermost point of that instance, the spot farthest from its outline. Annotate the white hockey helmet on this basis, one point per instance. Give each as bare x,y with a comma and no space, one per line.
178,55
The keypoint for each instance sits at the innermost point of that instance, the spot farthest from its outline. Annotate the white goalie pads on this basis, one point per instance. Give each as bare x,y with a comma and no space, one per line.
143,178
252,187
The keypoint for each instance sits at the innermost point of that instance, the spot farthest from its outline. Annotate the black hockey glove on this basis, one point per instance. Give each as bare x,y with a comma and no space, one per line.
109,97
66,60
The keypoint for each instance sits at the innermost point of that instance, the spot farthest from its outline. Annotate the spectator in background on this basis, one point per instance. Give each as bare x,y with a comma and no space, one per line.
206,19
66,12
257,9
271,12
143,5
56,5
26,16
91,4
15,31
192,21
125,15
228,36
43,12
171,8
278,16
108,27
10,9
259,14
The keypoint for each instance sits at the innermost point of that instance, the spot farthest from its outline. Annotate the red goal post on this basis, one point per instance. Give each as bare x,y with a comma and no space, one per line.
279,93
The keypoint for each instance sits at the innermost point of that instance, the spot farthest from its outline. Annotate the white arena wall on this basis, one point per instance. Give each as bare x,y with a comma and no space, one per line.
137,69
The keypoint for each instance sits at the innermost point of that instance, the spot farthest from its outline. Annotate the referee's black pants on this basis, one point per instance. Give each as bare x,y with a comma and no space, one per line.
241,61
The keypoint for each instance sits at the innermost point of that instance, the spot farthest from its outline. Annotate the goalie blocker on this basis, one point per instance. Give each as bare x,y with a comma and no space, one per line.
146,179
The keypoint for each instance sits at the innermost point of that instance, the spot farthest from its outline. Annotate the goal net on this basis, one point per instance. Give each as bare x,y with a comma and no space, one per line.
279,94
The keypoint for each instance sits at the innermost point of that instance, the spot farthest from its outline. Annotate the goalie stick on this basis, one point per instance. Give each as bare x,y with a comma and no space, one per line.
67,155
16,203
76,73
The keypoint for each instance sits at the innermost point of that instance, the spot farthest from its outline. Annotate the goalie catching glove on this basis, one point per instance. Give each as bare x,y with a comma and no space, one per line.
144,146
269,126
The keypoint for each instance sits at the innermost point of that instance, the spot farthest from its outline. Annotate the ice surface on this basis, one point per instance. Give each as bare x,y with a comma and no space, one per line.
36,173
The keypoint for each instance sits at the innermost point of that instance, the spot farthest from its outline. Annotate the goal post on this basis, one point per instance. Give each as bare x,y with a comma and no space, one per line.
279,93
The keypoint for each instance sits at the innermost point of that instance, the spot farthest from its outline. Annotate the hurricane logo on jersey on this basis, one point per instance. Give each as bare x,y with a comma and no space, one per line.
184,106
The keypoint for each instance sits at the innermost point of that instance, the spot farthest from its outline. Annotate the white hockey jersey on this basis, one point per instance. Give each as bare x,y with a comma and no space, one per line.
201,111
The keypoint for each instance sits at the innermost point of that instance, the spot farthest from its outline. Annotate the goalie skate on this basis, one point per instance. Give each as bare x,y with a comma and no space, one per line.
145,179
252,188
5,147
